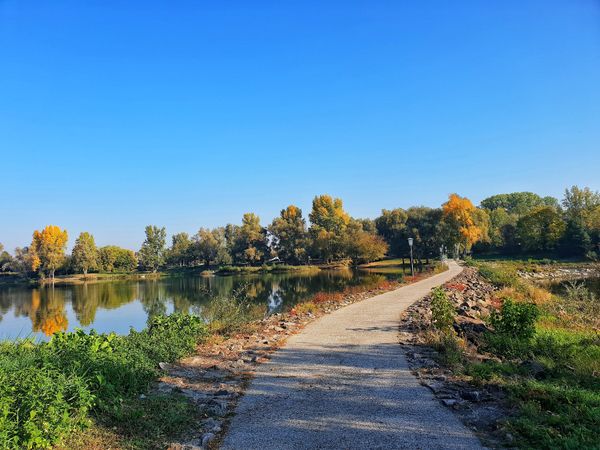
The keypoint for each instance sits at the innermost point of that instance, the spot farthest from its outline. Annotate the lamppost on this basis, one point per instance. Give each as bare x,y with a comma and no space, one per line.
412,267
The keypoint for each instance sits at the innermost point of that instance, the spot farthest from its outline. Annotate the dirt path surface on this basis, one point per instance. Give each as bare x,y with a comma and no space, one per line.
344,383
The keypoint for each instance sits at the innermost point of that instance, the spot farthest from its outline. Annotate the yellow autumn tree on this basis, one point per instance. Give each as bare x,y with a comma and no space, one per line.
460,219
48,249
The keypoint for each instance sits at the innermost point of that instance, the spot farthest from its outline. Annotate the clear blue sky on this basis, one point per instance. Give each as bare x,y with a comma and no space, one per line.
115,115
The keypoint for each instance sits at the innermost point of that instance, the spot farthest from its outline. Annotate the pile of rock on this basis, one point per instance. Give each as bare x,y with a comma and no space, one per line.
480,408
563,273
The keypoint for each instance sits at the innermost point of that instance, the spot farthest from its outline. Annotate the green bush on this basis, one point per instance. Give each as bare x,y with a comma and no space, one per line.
516,320
514,326
442,310
48,389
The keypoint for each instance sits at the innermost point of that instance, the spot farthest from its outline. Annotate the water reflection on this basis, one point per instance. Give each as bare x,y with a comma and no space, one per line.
118,305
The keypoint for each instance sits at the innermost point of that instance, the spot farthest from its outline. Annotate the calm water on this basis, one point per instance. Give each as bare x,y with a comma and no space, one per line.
118,305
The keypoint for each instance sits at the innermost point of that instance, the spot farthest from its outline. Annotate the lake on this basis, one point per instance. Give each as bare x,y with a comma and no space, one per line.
119,305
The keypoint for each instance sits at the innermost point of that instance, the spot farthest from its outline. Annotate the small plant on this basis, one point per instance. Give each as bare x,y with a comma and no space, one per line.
514,326
305,308
516,320
323,297
576,291
442,310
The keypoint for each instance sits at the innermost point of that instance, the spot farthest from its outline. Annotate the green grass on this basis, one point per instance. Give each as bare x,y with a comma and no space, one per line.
140,423
48,390
559,406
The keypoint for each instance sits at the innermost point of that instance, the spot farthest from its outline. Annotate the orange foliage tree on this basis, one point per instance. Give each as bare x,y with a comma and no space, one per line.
461,219
48,249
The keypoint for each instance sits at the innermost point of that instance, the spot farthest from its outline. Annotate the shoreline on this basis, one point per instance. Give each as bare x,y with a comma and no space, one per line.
216,375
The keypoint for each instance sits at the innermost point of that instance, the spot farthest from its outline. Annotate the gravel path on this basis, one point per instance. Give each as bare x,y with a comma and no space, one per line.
344,383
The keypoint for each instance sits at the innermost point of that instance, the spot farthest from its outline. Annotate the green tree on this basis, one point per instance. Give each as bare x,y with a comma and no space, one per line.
501,225
424,226
152,253
6,260
391,225
85,253
540,230
289,235
328,225
21,263
180,252
518,203
116,259
579,204
362,246
576,240
251,240
211,246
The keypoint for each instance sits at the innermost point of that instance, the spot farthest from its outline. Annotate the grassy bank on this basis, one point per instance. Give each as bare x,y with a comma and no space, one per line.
83,390
546,351
277,268
48,390
11,279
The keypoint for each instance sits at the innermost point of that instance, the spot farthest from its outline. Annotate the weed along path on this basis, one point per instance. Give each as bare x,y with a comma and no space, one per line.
344,383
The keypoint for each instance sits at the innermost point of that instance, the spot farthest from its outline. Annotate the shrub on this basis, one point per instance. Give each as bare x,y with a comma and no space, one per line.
514,326
305,308
323,297
516,320
442,310
229,314
48,389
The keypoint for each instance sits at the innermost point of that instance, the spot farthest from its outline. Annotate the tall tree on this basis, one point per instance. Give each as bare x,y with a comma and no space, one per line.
360,245
328,225
541,229
252,240
423,225
289,235
152,253
85,253
391,225
6,260
48,249
518,203
460,217
179,253
580,203
211,246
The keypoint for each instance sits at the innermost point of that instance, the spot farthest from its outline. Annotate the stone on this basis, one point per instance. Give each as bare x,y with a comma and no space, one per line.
535,368
206,438
472,396
449,402
165,366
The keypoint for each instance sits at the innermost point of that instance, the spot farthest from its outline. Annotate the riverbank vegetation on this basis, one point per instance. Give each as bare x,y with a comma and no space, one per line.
52,391
48,390
540,348
520,223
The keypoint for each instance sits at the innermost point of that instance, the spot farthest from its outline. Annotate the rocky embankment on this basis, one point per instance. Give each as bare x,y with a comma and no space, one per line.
480,408
216,377
563,273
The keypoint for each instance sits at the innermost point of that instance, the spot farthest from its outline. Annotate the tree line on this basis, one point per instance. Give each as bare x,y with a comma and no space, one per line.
515,223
